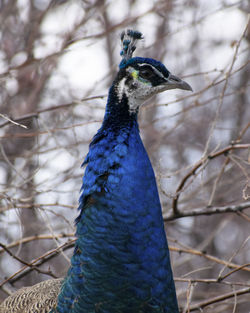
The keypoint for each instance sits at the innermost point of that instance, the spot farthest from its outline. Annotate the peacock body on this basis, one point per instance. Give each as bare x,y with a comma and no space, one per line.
121,261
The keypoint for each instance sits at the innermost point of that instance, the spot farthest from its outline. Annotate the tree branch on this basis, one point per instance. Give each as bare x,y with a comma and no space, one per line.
222,297
207,211
198,165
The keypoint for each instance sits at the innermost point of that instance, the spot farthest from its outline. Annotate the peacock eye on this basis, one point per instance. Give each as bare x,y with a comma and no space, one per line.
146,73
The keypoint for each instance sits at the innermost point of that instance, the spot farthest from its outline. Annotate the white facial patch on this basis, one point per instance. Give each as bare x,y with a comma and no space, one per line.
120,88
135,89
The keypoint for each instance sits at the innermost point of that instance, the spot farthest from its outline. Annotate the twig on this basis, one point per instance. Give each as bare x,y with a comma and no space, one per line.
222,297
26,263
33,238
227,76
210,257
233,271
11,121
211,281
198,165
34,134
39,261
51,108
207,211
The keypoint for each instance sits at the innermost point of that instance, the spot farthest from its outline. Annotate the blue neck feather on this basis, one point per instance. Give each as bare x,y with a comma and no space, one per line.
117,115
121,260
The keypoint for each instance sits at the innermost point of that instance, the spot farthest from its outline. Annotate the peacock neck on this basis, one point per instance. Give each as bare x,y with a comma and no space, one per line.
120,233
117,114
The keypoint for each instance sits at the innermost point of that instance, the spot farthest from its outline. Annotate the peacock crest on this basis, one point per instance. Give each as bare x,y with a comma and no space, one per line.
129,39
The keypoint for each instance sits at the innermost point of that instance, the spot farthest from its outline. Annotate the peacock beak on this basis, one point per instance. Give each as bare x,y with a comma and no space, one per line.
174,82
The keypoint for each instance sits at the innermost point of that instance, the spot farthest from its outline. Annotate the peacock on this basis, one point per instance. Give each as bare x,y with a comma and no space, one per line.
121,261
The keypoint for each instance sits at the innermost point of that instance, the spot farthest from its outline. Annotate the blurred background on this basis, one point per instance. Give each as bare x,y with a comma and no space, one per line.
57,61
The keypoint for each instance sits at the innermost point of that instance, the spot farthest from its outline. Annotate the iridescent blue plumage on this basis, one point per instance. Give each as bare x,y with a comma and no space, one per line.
121,260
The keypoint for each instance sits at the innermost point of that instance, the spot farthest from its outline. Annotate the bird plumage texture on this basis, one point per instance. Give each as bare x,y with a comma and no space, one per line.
38,298
121,260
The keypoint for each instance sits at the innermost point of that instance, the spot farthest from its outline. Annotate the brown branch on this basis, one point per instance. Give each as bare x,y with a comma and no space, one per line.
26,263
198,165
49,131
39,261
211,281
33,238
202,161
233,271
11,121
243,215
222,297
207,211
51,108
243,131
210,257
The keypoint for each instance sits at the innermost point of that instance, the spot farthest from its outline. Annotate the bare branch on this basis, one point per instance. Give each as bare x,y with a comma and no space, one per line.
207,211
219,298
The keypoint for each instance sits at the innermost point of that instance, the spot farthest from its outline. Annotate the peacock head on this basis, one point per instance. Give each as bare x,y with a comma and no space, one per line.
141,78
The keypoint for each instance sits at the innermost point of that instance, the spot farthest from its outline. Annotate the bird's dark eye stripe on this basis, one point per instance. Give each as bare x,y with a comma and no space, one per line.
146,67
150,72
146,72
